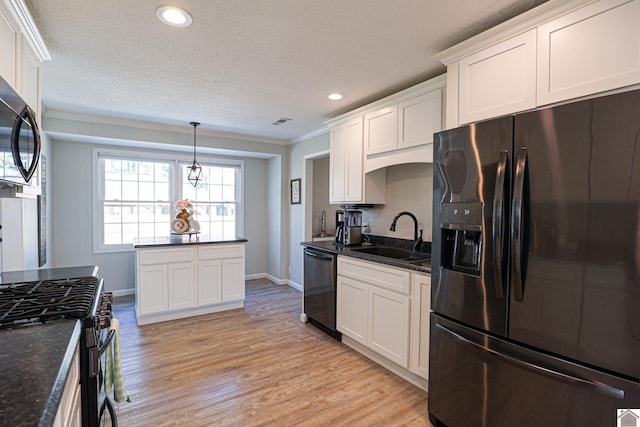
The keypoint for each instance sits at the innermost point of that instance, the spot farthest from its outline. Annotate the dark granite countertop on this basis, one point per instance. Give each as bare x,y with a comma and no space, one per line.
35,359
352,251
34,365
184,239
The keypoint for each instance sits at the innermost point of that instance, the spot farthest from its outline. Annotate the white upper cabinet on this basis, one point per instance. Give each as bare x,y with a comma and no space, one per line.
347,181
9,36
560,50
419,118
498,80
345,162
591,50
381,130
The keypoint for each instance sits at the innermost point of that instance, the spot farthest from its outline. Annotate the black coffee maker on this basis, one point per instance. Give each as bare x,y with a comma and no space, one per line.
348,227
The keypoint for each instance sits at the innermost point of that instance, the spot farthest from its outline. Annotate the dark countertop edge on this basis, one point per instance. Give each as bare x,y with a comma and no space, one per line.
49,274
347,251
52,405
190,242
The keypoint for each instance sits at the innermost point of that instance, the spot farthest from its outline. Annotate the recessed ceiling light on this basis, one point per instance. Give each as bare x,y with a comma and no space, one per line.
335,96
174,16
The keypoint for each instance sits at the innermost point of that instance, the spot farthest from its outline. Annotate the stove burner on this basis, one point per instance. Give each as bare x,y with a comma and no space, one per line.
45,300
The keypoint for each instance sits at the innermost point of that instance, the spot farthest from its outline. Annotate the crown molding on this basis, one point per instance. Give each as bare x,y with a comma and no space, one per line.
514,26
29,28
310,135
112,121
438,82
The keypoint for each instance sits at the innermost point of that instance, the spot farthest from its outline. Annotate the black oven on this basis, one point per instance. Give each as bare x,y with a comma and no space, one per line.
19,137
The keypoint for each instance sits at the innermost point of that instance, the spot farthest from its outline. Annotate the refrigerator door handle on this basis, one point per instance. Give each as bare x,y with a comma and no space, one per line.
601,388
498,221
517,217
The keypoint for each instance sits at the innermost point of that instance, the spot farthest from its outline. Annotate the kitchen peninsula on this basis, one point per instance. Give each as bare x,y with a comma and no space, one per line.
183,275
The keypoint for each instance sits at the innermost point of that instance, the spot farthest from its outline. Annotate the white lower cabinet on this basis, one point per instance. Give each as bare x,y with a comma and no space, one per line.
352,309
210,281
389,324
385,309
175,282
69,410
420,311
181,286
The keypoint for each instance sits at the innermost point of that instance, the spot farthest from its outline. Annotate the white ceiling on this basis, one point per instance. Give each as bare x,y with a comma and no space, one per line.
243,64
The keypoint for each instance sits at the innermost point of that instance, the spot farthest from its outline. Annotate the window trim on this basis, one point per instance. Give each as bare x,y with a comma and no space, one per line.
174,189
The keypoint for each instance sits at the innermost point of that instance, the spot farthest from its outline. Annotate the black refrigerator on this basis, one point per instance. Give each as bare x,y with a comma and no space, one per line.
536,268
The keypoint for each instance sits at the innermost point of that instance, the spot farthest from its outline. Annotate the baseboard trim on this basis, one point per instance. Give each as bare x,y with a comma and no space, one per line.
386,363
295,285
123,292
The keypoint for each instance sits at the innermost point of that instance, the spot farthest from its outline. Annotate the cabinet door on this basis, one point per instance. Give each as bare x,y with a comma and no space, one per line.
498,80
354,162
389,325
381,130
181,286
419,118
209,282
153,289
337,163
351,315
232,279
420,309
8,42
30,80
593,49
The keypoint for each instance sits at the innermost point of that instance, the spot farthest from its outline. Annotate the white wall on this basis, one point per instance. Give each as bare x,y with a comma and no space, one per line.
274,227
297,154
409,187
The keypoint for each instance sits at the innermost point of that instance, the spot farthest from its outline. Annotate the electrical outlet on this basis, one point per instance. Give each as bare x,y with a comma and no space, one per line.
365,227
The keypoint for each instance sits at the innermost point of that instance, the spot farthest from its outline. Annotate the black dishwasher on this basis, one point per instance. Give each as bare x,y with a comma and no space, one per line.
320,290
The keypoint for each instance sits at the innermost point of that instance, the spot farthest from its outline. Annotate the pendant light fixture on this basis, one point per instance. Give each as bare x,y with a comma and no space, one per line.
194,169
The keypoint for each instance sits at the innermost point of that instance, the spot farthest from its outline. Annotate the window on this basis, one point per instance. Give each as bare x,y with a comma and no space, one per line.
214,199
136,193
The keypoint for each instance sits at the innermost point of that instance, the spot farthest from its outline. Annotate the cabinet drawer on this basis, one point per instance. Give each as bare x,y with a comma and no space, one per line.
165,256
220,251
373,273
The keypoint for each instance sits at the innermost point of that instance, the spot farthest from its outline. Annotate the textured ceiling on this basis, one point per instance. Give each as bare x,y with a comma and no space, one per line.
243,64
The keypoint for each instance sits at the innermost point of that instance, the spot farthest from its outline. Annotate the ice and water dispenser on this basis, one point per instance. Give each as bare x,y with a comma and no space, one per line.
462,239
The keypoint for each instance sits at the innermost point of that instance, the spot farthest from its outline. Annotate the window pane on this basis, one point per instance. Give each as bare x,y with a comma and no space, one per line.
113,190
112,235
129,190
147,191
228,193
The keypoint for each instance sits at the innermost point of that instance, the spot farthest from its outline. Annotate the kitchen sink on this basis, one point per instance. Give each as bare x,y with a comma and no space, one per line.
395,253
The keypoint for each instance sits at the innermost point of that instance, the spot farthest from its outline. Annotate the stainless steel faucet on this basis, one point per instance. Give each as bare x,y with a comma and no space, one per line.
417,240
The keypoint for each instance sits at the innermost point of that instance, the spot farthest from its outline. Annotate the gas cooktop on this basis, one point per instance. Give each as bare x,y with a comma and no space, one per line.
45,300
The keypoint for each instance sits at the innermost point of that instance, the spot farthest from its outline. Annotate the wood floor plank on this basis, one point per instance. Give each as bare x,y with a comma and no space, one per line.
255,366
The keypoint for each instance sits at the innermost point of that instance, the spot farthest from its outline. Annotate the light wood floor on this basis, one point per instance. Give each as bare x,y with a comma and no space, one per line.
257,366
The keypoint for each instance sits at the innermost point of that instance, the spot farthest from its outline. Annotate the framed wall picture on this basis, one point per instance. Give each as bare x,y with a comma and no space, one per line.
295,191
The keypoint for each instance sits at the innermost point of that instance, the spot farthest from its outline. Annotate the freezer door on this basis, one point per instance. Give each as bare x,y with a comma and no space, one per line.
470,223
478,380
576,277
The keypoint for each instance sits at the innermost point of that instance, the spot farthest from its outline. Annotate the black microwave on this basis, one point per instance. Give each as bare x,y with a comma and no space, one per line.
19,138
